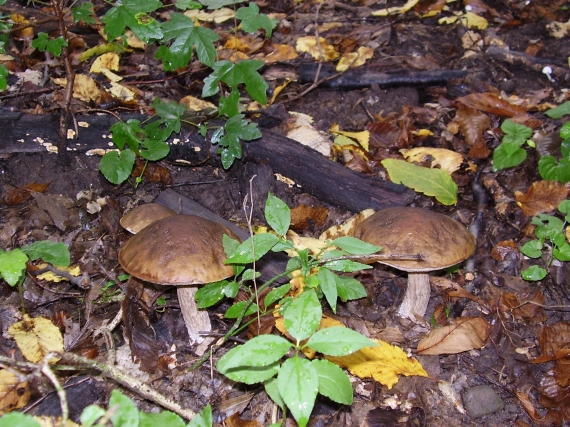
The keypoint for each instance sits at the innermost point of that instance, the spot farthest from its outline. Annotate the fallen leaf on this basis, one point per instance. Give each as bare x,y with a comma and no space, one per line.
36,337
346,228
52,277
308,44
528,307
468,20
107,61
300,129
301,214
361,138
552,418
491,103
383,363
541,197
217,16
25,33
17,195
355,59
121,92
472,124
552,339
447,160
14,394
396,10
466,333
84,87
281,52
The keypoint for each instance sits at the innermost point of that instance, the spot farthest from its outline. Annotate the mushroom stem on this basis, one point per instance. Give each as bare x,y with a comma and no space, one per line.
196,320
417,295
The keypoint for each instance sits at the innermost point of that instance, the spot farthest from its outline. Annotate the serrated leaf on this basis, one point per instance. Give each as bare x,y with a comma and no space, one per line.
431,182
83,12
237,308
327,283
12,265
338,341
354,246
244,72
127,14
298,384
333,382
383,363
248,252
252,20
170,114
117,166
303,315
36,337
53,252
53,46
262,350
186,36
277,214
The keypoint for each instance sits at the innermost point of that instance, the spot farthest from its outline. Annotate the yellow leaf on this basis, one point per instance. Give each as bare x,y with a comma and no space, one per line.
217,16
362,138
468,20
309,44
346,228
195,104
382,363
46,421
447,160
108,61
281,52
354,59
84,87
52,277
36,337
121,92
396,10
14,394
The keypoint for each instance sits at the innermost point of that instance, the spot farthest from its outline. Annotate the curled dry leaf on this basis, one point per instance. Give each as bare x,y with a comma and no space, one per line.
541,197
491,103
554,341
472,124
552,418
466,333
503,250
526,308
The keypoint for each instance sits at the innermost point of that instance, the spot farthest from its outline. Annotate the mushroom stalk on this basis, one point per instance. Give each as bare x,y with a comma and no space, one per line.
196,320
417,296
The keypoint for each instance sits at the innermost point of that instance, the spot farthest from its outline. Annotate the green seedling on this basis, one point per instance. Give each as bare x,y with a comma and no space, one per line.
558,170
13,263
550,243
510,152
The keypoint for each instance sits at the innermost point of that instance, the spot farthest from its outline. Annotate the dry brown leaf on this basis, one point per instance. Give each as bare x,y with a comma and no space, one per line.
384,134
236,421
36,337
309,45
14,394
302,213
552,339
281,52
451,288
552,418
541,197
20,194
383,363
503,249
466,333
491,103
525,308
472,124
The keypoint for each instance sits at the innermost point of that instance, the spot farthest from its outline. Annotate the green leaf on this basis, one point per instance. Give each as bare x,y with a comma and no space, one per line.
262,350
128,133
188,4
562,253
565,131
230,135
534,273
515,133
252,20
186,36
272,391
211,293
327,282
153,149
303,315
276,294
91,414
244,72
55,253
559,112
164,418
551,170
252,374
349,288
12,265
217,4
229,105
298,384
236,309
344,265
124,411
202,419
127,13
355,246
248,252
564,207
53,46
338,341
431,182
83,12
170,114
3,74
503,160
333,382
17,419
117,166
277,214
532,249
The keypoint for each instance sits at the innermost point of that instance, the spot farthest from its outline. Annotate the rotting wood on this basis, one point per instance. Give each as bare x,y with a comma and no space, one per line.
313,173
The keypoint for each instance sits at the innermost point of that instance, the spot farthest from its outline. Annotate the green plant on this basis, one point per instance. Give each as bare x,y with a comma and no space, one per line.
558,170
13,263
510,152
122,412
295,383
550,244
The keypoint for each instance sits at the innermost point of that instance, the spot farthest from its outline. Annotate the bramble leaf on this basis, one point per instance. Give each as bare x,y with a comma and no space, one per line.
252,20
132,14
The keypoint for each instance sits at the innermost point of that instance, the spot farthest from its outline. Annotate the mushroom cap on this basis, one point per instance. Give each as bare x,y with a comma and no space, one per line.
440,240
178,250
144,215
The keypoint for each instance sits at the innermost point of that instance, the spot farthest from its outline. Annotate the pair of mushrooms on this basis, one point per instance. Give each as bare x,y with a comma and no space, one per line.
441,241
176,250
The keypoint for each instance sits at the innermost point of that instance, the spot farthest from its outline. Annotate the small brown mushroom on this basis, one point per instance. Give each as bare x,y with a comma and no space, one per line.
144,215
182,251
441,241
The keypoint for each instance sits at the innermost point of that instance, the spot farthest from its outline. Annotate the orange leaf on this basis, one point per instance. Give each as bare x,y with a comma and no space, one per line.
490,103
18,195
472,124
465,334
541,197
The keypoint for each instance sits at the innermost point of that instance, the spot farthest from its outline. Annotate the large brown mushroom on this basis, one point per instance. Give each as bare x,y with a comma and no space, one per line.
183,251
441,241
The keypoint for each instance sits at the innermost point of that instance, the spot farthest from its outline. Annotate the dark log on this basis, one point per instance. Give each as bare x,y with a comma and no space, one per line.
313,173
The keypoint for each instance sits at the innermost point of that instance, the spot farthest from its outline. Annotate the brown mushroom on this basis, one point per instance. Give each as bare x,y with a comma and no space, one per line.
441,241
144,215
183,251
